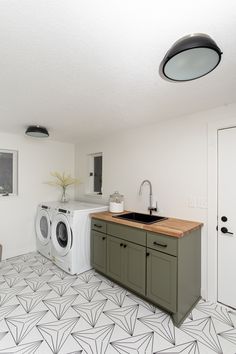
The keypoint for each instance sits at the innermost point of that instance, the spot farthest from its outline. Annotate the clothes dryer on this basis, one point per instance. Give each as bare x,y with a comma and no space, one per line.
43,229
70,236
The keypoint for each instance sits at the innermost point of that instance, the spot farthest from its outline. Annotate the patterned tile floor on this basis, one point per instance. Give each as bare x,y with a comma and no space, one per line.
44,310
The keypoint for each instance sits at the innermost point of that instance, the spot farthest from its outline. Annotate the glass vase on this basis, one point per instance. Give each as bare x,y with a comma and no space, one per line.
64,196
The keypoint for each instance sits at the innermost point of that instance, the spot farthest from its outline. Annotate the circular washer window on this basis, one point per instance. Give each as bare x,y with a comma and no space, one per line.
42,226
61,234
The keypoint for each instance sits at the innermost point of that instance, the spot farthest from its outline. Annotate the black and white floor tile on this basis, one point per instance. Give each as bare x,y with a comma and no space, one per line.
43,310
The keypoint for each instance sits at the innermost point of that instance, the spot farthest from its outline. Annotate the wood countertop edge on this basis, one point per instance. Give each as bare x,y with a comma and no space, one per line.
167,227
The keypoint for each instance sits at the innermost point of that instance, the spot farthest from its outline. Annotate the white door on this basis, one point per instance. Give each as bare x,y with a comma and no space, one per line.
227,216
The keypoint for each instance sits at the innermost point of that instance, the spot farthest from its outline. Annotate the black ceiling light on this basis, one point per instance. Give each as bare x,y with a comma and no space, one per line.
37,132
190,58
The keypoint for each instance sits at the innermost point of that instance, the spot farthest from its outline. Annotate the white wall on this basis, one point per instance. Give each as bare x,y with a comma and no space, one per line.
36,159
172,154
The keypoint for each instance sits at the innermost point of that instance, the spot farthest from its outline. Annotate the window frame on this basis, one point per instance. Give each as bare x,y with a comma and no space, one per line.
91,177
14,154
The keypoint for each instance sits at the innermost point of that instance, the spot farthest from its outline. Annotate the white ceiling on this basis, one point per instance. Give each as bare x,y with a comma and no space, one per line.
85,68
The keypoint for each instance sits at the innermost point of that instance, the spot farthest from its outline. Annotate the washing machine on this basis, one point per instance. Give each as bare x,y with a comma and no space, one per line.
43,229
70,236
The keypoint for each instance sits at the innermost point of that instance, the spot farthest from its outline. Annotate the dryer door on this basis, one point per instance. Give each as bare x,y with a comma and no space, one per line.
42,225
61,234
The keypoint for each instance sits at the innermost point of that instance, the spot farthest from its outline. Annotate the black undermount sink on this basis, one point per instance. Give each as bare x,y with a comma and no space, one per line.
142,218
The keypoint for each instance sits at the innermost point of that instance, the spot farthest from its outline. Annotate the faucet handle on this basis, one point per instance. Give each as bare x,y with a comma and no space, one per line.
157,209
151,208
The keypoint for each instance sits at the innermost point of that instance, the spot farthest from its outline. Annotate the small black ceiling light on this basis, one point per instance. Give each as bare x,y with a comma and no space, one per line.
190,58
37,132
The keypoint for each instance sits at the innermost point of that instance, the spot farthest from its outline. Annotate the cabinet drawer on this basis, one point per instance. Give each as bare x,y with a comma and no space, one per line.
99,225
127,233
162,243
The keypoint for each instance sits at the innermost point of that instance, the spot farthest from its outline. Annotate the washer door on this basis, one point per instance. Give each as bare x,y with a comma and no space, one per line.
42,225
61,234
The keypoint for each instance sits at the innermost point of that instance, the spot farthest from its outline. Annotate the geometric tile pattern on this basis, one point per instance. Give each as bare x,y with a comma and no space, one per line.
61,286
186,348
59,305
229,335
218,312
36,283
162,324
6,294
90,311
115,294
29,348
204,331
142,343
124,317
95,340
44,310
21,325
144,303
56,333
87,276
87,290
30,300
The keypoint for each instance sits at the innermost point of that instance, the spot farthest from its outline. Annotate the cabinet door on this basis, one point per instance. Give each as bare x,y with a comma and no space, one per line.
134,271
162,279
99,251
114,257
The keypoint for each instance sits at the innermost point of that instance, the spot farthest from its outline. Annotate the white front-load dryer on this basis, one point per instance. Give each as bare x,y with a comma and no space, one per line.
70,236
43,229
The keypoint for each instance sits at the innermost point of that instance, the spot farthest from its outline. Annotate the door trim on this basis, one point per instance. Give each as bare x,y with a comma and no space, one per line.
211,281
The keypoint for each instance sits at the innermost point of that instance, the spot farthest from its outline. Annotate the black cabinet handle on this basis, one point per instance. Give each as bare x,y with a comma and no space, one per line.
159,244
147,254
121,244
125,246
97,225
224,230
104,238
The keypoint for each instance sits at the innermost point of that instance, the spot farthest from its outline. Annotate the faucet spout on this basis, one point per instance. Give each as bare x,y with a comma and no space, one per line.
150,208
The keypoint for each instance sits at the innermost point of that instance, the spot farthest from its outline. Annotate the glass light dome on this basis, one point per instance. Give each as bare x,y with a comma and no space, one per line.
190,58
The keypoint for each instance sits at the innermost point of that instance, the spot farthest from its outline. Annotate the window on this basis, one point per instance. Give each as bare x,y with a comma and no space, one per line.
95,173
8,172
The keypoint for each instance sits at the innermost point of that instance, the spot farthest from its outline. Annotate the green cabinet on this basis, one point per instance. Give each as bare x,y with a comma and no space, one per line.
164,270
126,263
99,251
114,258
162,279
134,274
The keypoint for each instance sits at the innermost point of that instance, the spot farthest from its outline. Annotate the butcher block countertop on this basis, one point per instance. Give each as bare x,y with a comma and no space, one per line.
171,227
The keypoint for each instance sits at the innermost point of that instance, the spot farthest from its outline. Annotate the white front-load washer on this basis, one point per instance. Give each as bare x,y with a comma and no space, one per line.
43,229
70,236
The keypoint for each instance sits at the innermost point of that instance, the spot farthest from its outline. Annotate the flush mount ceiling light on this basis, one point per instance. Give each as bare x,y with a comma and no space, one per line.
190,58
36,131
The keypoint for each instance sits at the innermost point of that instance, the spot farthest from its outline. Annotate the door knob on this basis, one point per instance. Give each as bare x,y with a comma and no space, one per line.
224,218
224,230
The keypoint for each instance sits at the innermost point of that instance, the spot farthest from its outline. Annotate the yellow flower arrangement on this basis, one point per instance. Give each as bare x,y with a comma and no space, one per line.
63,180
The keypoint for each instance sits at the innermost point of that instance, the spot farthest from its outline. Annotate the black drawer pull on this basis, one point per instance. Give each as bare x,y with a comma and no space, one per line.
125,246
121,244
159,244
97,225
104,238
